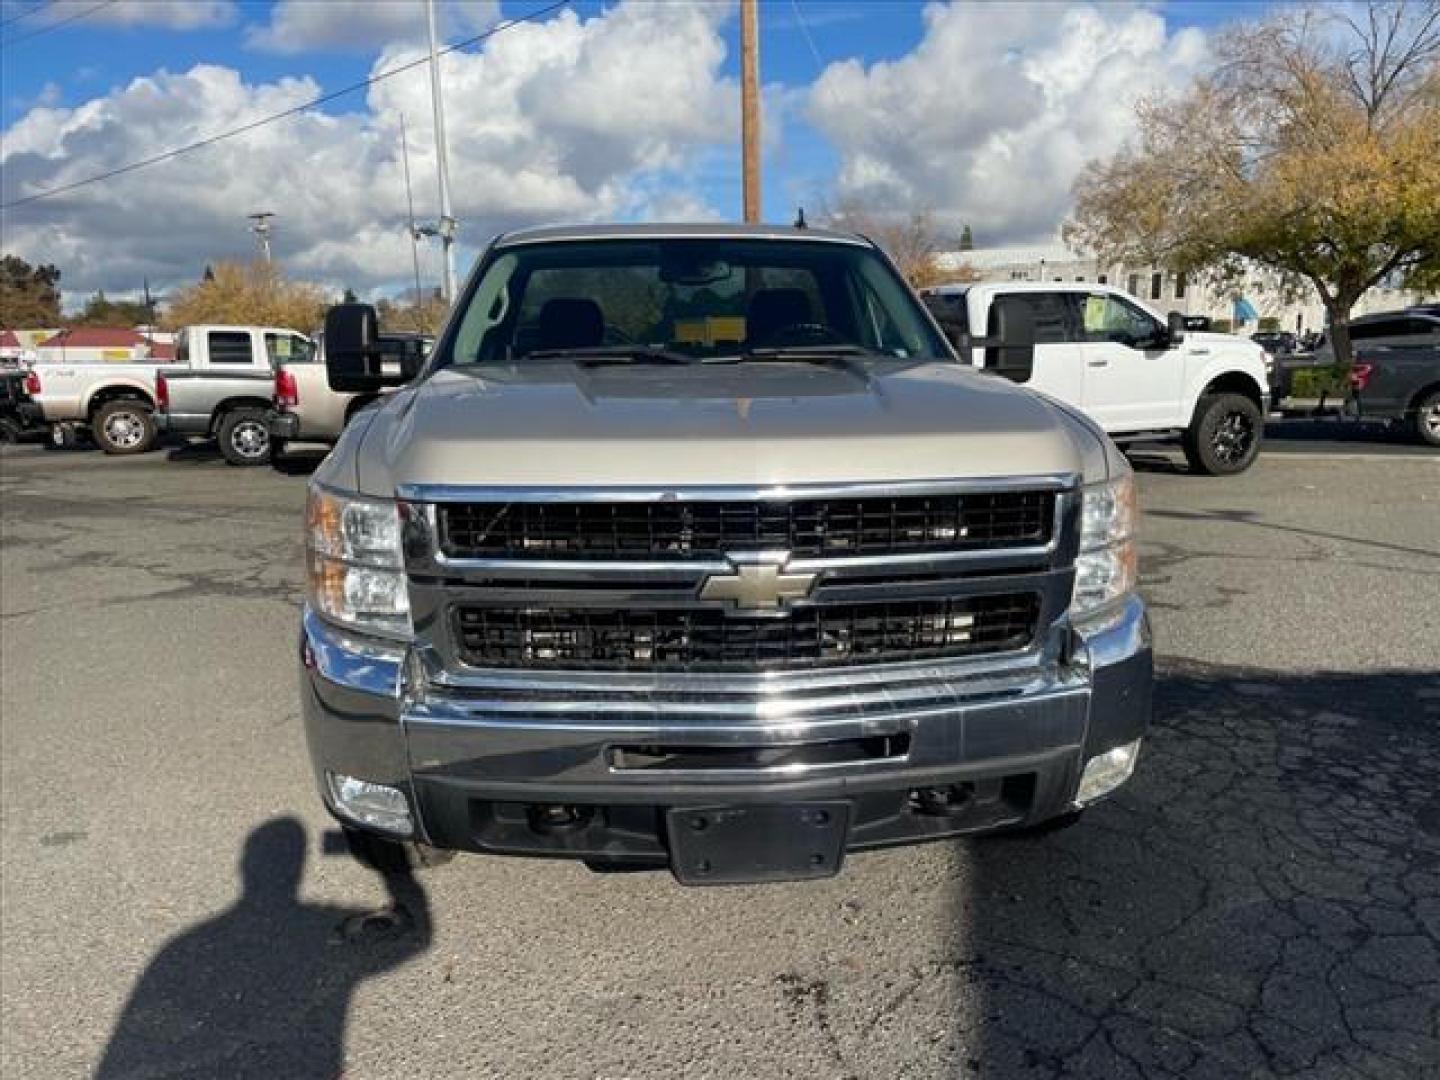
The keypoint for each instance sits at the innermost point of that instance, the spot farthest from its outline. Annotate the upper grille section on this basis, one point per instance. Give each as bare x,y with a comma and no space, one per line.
806,528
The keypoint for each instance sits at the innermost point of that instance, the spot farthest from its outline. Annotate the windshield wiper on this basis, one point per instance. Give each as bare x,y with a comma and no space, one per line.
813,353
613,354
839,355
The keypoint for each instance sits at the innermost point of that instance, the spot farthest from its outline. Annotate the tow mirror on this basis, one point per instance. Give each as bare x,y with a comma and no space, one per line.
358,359
352,355
1011,350
1177,327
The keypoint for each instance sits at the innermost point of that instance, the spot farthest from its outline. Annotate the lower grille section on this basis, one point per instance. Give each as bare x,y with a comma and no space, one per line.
711,640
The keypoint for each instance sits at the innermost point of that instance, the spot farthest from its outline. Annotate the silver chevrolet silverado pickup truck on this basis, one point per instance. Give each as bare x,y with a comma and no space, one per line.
695,546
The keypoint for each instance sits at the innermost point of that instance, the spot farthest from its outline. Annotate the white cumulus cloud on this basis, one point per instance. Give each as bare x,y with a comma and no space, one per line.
298,26
164,14
993,114
569,119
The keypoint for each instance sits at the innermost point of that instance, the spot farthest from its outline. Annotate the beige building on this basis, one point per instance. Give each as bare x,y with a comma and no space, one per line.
1166,291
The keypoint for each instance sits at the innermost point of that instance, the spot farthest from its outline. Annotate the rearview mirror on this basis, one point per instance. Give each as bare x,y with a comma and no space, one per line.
693,273
1177,327
358,359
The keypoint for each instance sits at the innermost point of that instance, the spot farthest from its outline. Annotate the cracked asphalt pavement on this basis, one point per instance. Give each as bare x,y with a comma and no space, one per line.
1263,900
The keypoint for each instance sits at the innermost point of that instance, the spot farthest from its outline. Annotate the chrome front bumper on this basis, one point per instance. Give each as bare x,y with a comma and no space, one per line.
460,747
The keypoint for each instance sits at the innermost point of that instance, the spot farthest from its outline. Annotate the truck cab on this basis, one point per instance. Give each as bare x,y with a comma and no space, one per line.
1136,373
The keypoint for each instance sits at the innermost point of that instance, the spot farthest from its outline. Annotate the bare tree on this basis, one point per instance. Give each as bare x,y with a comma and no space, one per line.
913,239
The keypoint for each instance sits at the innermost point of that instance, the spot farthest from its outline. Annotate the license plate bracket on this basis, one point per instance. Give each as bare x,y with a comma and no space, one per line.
731,845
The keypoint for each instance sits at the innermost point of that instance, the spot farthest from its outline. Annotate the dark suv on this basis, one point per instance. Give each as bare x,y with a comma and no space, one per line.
1396,376
1416,327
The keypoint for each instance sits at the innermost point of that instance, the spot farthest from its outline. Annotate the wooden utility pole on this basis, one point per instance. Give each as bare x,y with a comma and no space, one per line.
750,106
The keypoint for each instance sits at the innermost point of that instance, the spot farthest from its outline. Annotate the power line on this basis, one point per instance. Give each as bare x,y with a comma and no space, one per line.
321,100
805,29
26,13
56,24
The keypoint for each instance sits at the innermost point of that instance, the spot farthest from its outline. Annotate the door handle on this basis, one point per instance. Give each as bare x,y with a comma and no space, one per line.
1199,352
1098,363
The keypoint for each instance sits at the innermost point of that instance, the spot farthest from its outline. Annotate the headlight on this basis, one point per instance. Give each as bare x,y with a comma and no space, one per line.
355,563
1107,568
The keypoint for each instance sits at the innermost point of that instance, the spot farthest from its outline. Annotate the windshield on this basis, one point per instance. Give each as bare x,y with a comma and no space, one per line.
712,299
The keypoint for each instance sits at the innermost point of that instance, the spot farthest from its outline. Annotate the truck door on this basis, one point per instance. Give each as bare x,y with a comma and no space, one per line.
1056,365
1133,378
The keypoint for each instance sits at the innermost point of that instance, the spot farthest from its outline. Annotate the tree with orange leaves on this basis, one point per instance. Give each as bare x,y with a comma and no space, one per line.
1312,148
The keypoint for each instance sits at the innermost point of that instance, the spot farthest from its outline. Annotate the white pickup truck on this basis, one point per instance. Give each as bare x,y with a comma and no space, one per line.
218,385
1139,375
115,402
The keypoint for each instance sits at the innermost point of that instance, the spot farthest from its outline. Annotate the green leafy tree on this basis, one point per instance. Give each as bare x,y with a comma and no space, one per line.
1312,147
29,295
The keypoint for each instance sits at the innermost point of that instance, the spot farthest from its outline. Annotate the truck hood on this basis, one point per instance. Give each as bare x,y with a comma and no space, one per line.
758,424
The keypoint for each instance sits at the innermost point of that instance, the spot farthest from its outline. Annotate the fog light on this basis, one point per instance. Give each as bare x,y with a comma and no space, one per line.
1105,772
367,803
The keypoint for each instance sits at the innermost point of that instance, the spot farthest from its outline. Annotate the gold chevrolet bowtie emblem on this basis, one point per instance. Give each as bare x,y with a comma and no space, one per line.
758,587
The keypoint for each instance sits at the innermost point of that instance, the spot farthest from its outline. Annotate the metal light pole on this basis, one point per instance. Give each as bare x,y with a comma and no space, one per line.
410,207
750,107
261,229
447,220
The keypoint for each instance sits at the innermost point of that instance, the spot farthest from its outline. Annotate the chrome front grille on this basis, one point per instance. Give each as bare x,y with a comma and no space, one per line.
806,528
629,584
708,639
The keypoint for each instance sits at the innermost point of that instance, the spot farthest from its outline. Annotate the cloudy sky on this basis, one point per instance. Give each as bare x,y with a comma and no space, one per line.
980,112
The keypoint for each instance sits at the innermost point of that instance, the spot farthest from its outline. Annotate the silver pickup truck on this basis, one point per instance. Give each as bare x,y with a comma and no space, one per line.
221,384
695,546
305,408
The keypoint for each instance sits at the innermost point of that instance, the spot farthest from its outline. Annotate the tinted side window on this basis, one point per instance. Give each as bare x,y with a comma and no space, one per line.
1053,314
1046,319
1109,318
230,347
1386,328
1379,329
953,314
288,349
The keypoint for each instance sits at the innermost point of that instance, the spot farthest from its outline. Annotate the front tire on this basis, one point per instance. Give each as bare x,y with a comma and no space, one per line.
1224,438
392,856
125,426
1425,421
245,437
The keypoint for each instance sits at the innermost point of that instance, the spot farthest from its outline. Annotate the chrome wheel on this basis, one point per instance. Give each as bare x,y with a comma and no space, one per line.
124,430
1234,437
250,439
1429,421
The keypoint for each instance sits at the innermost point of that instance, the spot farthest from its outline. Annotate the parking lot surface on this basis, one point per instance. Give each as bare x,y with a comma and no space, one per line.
1263,900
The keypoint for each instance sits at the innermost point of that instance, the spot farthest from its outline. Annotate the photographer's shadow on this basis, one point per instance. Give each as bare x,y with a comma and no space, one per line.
263,988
